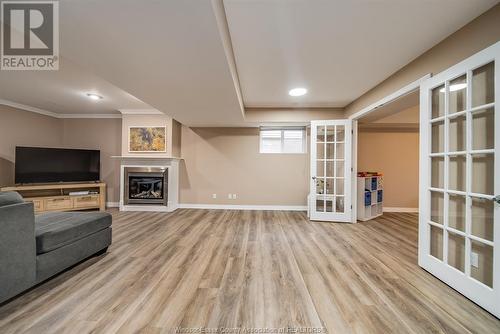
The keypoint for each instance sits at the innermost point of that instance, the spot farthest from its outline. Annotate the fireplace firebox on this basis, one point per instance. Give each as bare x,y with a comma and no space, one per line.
146,185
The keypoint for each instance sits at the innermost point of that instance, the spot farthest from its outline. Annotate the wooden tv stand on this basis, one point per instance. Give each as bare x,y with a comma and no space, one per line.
55,196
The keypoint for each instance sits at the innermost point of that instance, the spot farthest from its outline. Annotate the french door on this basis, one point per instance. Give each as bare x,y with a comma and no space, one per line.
330,192
459,231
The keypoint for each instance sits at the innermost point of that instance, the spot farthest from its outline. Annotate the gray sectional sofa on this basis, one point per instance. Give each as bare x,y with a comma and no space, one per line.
34,248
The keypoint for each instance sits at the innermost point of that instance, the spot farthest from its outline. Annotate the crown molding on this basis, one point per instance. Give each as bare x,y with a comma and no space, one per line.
140,112
68,116
28,108
44,112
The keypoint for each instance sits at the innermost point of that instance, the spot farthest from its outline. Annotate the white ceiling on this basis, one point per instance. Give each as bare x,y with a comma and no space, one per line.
338,49
168,54
173,56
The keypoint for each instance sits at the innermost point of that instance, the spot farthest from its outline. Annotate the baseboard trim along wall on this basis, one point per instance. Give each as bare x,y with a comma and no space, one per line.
244,207
259,207
394,209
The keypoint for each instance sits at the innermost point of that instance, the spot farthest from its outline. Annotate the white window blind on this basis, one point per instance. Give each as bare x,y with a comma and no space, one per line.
283,140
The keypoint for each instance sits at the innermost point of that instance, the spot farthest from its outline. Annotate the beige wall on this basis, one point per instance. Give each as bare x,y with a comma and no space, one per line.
475,36
227,160
103,135
395,154
176,139
24,128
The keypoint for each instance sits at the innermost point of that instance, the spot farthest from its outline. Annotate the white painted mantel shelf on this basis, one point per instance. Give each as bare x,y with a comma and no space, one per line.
136,157
171,163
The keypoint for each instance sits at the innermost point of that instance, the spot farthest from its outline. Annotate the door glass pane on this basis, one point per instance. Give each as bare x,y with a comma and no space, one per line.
340,168
483,129
456,251
320,185
483,89
320,134
340,133
437,175
457,175
456,212
329,186
340,186
340,151
330,133
328,206
339,202
458,93
457,134
437,207
437,137
330,150
320,205
320,151
483,269
438,102
482,218
320,170
436,242
329,168
483,173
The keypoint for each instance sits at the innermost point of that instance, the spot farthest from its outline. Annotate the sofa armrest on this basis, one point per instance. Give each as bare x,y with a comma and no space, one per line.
17,249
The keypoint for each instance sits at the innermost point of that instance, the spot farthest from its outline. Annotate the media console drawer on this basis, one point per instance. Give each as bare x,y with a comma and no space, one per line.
62,203
86,201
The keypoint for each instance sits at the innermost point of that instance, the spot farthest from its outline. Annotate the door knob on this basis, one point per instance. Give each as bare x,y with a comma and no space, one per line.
496,199
314,177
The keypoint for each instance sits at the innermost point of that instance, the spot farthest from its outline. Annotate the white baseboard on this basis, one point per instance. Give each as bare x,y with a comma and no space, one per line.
396,209
244,207
112,204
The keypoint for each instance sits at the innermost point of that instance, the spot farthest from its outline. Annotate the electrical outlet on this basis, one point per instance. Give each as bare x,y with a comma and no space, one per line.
214,196
229,196
474,260
234,196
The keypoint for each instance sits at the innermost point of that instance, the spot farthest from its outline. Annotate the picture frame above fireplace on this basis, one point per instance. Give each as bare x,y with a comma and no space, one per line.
147,139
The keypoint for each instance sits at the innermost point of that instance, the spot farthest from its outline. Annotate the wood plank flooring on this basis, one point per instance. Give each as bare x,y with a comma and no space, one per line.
249,269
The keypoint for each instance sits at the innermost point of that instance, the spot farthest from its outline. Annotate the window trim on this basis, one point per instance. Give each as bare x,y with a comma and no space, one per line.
303,129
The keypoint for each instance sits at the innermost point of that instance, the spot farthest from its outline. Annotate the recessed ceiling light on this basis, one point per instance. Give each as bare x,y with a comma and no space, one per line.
455,87
297,91
94,97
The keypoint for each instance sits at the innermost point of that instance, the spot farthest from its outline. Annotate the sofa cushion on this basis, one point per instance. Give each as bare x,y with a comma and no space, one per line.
10,197
57,229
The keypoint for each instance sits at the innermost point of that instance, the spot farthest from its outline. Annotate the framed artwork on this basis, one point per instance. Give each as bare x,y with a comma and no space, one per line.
147,139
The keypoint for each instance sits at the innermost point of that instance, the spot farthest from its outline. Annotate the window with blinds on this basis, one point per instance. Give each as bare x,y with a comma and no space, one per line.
283,140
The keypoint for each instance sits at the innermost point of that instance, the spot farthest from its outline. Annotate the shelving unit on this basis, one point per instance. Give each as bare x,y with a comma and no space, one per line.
370,197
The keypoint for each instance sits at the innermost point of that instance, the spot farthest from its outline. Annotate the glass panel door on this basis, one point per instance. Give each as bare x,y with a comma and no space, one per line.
460,176
330,177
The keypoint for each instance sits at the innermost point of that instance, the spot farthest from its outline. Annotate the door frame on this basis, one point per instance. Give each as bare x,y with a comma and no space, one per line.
408,89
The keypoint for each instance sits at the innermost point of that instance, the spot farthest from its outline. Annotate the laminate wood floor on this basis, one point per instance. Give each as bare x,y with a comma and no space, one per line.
251,270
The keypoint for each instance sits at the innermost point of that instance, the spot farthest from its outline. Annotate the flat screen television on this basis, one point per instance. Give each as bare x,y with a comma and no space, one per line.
47,165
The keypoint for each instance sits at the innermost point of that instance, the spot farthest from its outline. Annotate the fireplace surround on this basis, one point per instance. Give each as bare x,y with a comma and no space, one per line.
146,185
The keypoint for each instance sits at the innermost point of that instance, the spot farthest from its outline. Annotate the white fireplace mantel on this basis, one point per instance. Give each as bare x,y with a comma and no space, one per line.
170,163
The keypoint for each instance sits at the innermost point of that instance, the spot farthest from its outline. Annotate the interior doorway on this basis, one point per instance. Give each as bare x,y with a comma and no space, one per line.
388,150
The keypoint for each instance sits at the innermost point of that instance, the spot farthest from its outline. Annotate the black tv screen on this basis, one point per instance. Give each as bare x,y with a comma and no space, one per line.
46,165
